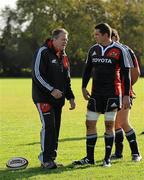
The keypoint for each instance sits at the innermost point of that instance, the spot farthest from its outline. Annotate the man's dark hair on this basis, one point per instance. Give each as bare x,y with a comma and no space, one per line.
104,28
115,34
56,32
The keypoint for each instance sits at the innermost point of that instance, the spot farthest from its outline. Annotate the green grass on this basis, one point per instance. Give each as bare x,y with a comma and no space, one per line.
19,136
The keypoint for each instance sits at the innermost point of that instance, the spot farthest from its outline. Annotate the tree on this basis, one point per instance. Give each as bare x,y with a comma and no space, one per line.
33,21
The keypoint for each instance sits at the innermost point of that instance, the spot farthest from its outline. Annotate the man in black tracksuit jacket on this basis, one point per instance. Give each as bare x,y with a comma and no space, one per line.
50,86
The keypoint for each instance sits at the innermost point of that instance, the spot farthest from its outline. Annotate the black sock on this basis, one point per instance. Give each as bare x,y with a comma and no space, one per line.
109,139
131,137
119,137
90,145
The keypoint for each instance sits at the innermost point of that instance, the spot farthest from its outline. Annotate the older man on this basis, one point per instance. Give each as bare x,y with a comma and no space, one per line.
51,85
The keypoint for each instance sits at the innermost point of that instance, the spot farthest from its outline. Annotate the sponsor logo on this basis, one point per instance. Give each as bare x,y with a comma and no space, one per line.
54,61
102,60
114,105
132,140
94,53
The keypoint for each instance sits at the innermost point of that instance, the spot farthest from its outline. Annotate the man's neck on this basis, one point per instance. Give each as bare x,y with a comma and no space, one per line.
106,43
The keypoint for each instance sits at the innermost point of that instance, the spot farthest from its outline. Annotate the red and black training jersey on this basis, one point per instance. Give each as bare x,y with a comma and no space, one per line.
105,64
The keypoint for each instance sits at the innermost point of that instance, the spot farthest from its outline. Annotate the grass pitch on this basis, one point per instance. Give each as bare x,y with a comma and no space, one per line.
20,130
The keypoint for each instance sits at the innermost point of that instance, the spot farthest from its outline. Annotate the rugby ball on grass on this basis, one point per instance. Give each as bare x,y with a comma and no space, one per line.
17,163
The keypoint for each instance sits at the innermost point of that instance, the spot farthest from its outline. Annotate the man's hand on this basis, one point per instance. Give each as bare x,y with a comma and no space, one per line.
56,93
126,102
86,94
72,104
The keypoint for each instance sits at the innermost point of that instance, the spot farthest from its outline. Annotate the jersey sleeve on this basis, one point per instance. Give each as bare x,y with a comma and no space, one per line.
38,71
69,93
87,71
133,58
125,70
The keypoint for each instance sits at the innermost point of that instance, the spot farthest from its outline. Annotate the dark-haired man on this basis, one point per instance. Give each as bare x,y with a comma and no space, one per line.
122,118
50,86
104,61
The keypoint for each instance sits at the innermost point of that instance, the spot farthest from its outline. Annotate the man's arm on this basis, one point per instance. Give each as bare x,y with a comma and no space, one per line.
125,69
69,93
135,70
86,77
135,73
39,70
127,84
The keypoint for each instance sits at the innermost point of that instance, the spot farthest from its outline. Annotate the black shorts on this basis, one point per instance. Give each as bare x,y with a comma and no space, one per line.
104,104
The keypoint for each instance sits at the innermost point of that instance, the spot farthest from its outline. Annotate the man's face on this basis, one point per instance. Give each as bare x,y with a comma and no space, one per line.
100,38
114,38
61,41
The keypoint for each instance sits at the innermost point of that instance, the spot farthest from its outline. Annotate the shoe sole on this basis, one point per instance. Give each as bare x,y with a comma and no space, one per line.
138,160
60,165
116,158
107,166
88,164
43,167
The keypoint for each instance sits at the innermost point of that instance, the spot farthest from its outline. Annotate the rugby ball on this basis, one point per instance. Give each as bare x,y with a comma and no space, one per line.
17,163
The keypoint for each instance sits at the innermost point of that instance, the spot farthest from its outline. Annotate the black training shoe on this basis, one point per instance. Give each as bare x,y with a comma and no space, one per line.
136,157
84,161
59,165
106,163
115,157
49,165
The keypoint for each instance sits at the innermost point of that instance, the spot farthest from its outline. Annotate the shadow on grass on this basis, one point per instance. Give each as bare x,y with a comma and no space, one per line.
35,171
62,140
142,133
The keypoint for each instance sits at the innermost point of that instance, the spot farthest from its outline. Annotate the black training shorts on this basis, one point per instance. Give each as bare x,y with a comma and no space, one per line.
104,104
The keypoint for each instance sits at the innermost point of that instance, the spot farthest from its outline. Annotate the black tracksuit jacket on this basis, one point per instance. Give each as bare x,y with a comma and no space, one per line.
50,72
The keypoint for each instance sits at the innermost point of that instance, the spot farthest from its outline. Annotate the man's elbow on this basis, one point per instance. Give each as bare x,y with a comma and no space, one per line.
135,74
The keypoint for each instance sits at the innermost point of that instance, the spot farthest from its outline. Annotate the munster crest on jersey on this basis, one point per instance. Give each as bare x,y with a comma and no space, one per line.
114,53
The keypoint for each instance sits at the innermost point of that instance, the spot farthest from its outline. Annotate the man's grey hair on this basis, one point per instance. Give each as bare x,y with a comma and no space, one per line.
56,32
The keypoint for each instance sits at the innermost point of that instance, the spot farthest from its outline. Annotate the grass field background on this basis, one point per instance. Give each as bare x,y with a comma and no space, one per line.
20,129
